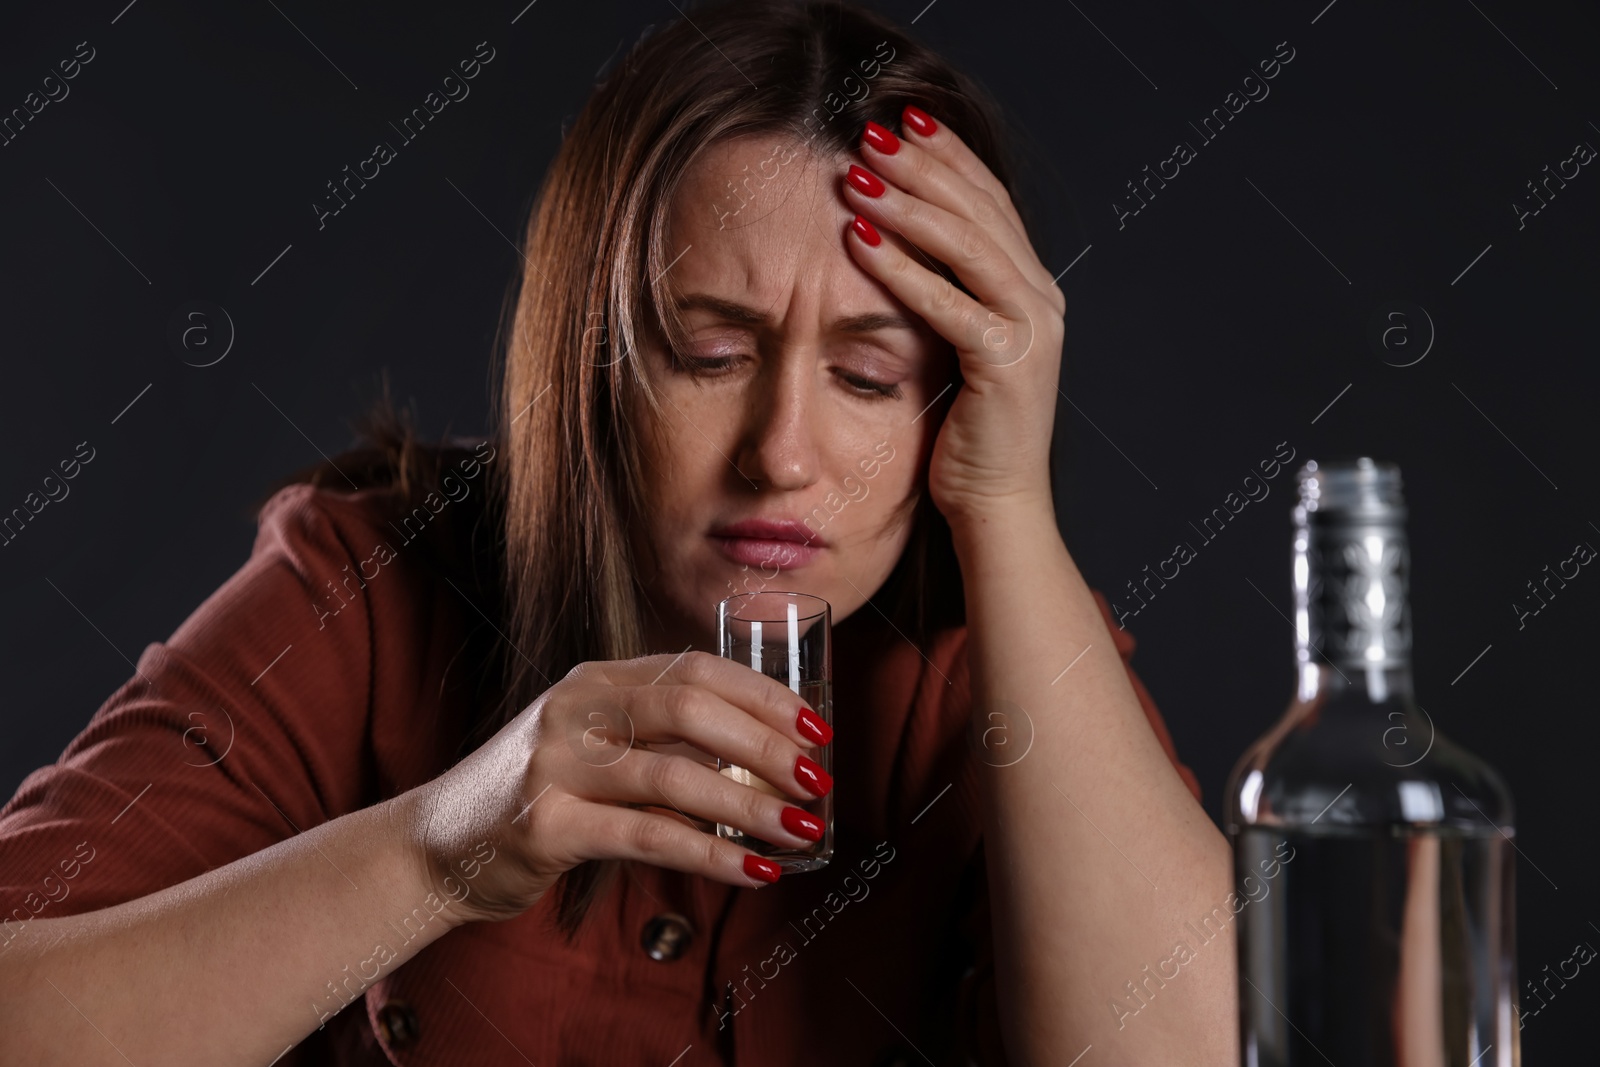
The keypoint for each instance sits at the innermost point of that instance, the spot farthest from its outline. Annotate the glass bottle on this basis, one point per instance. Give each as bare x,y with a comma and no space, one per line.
1373,859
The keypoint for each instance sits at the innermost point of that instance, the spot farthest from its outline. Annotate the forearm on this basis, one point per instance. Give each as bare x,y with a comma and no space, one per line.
1098,853
231,967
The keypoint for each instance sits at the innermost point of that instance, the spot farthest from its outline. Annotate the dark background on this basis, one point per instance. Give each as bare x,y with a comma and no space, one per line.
1221,320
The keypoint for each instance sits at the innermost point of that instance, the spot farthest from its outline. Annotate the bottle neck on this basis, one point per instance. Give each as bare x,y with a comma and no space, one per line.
1353,623
1336,684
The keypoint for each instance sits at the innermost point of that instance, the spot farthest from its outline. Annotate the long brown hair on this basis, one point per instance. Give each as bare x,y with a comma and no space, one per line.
595,256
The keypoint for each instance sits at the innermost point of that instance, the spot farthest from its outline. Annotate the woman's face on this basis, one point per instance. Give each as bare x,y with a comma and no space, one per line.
793,460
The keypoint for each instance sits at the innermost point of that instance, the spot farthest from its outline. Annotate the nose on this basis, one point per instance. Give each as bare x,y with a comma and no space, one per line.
778,449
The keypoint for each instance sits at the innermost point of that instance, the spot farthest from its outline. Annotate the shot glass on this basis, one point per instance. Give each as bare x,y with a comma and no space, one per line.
789,637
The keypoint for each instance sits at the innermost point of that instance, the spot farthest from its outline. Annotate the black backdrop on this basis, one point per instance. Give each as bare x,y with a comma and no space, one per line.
1244,305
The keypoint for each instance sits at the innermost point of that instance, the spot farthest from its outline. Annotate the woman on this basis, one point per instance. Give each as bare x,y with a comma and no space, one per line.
781,326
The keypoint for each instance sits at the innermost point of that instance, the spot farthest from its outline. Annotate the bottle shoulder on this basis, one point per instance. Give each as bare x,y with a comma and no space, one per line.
1347,764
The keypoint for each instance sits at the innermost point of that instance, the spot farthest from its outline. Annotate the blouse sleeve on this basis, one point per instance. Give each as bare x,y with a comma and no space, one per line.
978,1020
243,728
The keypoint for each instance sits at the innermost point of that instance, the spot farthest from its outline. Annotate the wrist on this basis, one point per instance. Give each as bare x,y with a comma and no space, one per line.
429,875
983,522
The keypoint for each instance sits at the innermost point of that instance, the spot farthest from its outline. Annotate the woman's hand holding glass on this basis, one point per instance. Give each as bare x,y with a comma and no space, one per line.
567,781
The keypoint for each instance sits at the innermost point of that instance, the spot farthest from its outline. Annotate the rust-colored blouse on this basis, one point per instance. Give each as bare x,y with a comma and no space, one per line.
327,674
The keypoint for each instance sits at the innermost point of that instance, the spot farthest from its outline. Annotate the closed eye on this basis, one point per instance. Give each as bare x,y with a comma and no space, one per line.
869,388
710,366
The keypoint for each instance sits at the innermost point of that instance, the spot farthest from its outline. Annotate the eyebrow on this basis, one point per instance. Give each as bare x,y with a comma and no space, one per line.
749,316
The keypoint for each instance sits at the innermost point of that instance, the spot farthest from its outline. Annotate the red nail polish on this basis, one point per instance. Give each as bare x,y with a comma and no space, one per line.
797,822
761,870
810,774
919,120
866,231
881,139
865,181
811,725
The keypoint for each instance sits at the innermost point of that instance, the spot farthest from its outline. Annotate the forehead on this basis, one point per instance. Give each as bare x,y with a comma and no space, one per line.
762,216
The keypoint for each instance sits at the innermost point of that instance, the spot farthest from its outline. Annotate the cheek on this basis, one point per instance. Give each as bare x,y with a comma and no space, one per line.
692,428
678,448
883,513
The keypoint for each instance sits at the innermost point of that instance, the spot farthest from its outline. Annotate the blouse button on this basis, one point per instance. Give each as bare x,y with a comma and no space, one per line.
666,936
397,1024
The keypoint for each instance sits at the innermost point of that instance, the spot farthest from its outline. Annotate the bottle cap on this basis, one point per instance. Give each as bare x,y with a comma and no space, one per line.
1361,488
1351,566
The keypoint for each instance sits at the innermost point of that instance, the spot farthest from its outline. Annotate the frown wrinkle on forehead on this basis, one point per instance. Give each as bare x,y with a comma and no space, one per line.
744,315
779,264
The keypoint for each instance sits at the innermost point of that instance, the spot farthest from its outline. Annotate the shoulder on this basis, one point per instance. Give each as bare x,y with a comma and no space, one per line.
336,666
432,516
407,566
327,509
305,521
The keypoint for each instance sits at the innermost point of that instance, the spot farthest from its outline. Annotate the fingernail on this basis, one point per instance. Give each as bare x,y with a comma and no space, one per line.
866,231
865,181
761,870
811,725
797,822
881,139
811,775
919,120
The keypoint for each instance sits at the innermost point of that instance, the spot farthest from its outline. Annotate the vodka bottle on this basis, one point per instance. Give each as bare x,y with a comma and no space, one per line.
1373,858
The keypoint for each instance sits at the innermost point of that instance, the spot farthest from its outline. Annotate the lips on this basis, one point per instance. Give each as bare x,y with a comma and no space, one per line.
767,543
